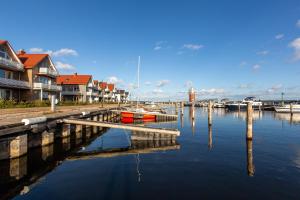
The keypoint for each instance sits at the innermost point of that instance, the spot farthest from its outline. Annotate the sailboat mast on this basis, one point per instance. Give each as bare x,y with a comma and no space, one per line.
138,81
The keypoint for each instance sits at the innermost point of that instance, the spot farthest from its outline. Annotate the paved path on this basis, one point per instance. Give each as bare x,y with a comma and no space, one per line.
15,115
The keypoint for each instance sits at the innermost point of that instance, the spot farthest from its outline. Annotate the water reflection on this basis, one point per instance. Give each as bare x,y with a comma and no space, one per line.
192,118
292,119
210,142
250,165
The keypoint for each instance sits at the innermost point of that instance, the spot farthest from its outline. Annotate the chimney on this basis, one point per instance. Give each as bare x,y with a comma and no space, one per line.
21,52
75,74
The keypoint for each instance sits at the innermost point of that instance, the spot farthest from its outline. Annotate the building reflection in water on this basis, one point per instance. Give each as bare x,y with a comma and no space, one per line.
192,118
243,114
292,119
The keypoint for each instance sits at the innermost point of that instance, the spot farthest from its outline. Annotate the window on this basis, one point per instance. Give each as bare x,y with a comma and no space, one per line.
43,79
8,74
2,73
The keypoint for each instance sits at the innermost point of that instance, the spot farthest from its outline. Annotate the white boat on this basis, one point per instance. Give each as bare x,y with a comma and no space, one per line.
287,108
243,104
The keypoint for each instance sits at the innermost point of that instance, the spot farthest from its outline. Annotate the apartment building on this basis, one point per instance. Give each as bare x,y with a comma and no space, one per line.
40,73
76,87
12,83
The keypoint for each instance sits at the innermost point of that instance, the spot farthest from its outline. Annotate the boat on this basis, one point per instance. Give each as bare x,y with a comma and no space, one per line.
139,113
242,105
219,105
287,108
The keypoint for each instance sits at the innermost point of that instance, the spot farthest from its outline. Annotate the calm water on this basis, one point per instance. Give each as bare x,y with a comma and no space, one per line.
202,163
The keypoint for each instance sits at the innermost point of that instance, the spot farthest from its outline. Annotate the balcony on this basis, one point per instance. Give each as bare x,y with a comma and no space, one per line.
71,93
47,71
12,65
38,86
11,83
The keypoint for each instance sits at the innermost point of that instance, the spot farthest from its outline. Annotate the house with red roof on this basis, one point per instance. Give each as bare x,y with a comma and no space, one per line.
12,84
77,87
41,74
107,92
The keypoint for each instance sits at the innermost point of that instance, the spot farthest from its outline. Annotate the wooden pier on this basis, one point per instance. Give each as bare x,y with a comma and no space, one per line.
131,127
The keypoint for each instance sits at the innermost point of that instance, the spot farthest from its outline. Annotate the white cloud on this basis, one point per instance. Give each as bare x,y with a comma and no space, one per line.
274,88
245,86
64,66
256,67
157,91
296,46
162,83
212,91
298,23
159,45
265,52
58,53
188,84
148,83
279,36
157,48
114,79
131,86
194,47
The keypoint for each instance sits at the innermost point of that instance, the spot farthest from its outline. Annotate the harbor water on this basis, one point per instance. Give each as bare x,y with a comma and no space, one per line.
205,162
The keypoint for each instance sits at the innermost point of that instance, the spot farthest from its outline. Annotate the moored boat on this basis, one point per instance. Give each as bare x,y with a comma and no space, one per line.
288,109
242,105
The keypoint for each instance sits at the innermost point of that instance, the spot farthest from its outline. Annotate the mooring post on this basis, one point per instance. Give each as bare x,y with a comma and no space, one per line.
250,166
66,130
95,128
53,98
18,146
209,113
291,108
47,138
249,120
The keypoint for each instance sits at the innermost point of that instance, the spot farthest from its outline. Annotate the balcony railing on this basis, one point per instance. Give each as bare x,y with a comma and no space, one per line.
48,71
46,86
71,93
11,83
11,64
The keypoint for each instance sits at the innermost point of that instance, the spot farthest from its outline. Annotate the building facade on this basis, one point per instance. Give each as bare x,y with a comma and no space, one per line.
12,83
41,74
76,87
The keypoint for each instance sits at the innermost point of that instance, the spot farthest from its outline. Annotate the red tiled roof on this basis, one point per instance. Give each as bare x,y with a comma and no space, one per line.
31,60
73,79
3,42
103,85
111,87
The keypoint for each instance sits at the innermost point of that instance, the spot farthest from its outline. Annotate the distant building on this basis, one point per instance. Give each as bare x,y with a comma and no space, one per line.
192,95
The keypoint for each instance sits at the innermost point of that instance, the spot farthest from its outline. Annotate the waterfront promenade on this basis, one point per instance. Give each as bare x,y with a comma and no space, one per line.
15,115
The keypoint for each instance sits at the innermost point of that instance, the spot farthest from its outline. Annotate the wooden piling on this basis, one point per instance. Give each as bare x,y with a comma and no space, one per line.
209,113
210,137
249,120
291,108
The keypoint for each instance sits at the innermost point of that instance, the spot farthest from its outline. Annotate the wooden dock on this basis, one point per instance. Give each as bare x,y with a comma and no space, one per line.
131,127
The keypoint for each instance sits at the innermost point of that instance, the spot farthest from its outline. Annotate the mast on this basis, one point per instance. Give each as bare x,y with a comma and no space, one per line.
138,81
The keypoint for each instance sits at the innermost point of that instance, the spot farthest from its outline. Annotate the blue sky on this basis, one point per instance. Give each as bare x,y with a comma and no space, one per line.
222,48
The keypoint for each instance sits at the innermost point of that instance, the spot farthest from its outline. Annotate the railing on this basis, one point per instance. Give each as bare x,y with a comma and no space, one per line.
11,64
14,83
46,86
71,93
48,71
